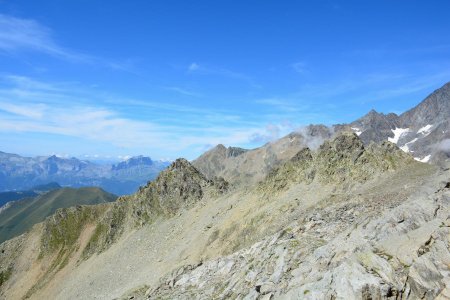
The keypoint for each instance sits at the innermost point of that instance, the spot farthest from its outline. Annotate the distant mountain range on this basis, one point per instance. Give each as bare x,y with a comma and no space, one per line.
423,132
22,173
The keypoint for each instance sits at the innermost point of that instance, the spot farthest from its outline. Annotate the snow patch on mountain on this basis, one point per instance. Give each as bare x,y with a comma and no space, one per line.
357,131
424,160
398,132
425,130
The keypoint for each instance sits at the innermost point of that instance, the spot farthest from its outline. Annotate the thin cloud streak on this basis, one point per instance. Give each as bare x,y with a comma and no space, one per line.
195,68
18,34
32,113
183,91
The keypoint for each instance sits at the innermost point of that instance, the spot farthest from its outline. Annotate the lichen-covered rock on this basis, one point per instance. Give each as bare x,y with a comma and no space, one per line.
343,159
179,186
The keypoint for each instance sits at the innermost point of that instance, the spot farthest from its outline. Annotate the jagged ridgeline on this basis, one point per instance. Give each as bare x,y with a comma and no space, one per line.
343,161
305,202
181,186
178,187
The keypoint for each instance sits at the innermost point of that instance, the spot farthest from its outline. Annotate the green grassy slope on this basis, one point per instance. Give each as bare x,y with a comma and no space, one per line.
22,215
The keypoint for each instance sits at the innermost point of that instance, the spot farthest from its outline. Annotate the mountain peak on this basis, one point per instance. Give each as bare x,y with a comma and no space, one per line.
178,186
373,112
181,164
225,152
345,141
133,162
434,109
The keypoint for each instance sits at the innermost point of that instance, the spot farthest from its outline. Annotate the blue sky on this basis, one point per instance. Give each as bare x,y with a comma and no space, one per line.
172,78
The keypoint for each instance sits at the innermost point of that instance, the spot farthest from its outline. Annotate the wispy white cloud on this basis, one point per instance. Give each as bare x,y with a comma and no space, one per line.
193,67
196,68
183,91
32,106
300,67
131,125
18,34
286,104
26,34
271,132
32,111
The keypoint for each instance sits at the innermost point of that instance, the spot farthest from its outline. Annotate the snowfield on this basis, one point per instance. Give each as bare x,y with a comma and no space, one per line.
398,132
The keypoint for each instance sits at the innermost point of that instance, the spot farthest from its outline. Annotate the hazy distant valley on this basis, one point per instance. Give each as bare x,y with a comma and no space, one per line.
23,173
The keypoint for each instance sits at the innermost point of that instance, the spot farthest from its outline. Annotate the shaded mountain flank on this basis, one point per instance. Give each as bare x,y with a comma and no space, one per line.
6,197
16,217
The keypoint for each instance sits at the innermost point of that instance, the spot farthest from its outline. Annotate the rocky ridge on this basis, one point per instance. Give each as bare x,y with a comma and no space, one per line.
400,252
248,243
320,213
178,187
423,132
344,161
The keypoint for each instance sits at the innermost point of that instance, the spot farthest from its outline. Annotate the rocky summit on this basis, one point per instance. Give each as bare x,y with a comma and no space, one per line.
351,211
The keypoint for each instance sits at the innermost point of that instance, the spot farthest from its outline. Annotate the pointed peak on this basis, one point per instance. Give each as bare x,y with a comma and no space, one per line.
181,167
219,147
373,113
180,164
345,141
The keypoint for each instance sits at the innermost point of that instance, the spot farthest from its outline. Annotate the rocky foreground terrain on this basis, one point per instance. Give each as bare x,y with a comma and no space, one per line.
347,212
346,221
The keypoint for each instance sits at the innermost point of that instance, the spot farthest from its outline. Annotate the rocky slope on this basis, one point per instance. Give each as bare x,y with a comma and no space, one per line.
351,250
18,173
345,221
324,213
